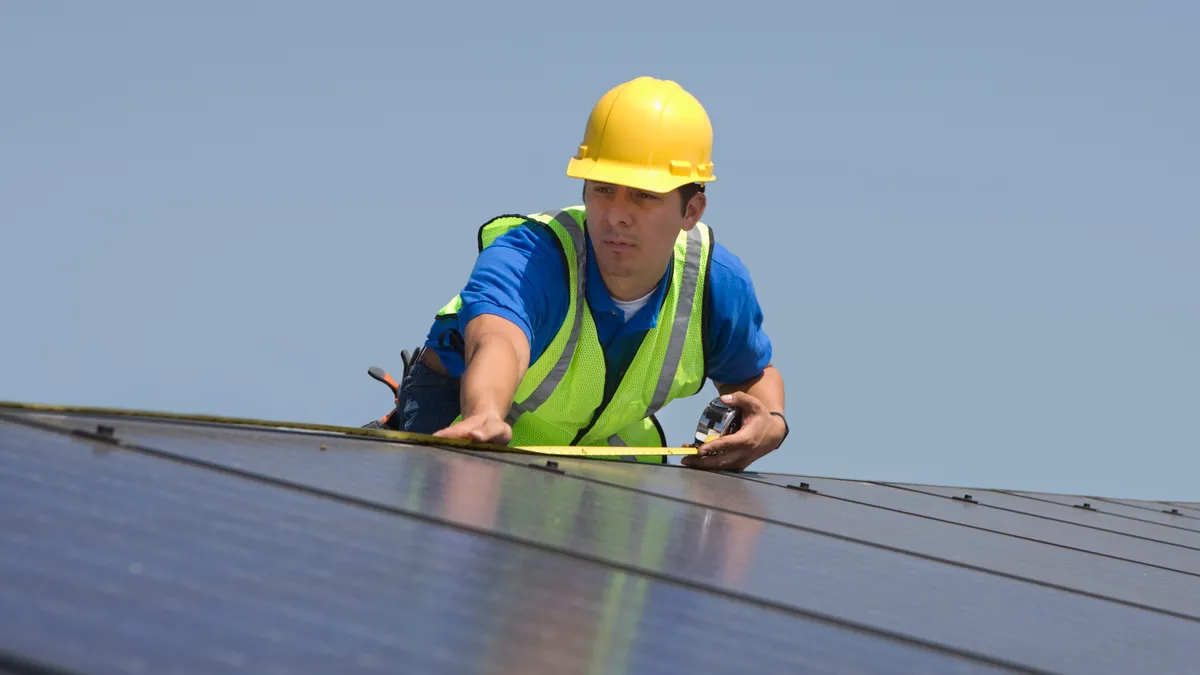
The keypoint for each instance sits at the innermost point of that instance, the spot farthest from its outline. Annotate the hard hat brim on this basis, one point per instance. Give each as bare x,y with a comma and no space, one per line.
636,177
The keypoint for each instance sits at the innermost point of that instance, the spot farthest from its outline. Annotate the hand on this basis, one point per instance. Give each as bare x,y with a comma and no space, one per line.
761,433
480,428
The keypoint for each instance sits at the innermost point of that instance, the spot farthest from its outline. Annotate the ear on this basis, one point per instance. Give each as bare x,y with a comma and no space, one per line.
694,211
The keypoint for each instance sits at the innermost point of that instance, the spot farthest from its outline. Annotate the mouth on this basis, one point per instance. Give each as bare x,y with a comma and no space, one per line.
619,244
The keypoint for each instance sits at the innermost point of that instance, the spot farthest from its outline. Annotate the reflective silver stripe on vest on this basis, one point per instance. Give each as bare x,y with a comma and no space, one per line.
683,315
542,392
615,441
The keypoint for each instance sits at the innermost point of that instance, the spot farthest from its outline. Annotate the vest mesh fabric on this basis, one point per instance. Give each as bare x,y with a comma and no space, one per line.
565,405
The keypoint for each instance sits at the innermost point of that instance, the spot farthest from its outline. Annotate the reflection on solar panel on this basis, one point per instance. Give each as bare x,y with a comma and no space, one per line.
168,546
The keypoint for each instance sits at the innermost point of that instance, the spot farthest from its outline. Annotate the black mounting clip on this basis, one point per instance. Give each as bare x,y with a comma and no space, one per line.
803,487
965,498
103,433
550,465
1085,506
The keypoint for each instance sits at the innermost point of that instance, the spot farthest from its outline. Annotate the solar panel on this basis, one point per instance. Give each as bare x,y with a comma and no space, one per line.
1097,541
1152,509
878,524
1185,519
116,561
1087,512
241,521
761,562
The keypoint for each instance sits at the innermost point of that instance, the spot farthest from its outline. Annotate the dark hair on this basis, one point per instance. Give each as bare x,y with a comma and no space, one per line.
686,192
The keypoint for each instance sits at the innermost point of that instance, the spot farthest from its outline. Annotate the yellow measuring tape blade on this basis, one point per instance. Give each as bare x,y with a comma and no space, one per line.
382,434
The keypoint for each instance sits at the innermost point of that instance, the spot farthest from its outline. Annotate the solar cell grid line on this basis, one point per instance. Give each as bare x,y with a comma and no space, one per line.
250,576
1161,515
1094,516
1145,505
936,539
1183,519
1153,505
1153,508
1062,497
1055,567
1047,531
1168,515
790,570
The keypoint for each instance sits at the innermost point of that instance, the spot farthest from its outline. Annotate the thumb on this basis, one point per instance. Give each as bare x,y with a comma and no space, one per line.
713,446
742,400
720,443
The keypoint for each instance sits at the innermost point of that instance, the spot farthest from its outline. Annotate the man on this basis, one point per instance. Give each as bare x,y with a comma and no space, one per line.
576,326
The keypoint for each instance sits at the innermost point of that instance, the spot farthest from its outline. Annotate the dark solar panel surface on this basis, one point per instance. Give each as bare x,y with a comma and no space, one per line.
874,568
1099,515
1075,499
1089,505
1149,509
1135,503
1113,544
941,538
119,562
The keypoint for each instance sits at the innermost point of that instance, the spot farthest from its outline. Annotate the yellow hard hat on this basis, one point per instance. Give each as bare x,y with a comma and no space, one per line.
648,134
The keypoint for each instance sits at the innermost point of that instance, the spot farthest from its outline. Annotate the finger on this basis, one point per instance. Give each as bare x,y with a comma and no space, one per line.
728,443
729,461
498,437
496,432
464,429
496,427
743,437
743,400
479,435
750,435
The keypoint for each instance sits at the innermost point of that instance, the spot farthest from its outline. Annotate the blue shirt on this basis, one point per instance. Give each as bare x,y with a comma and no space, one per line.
521,277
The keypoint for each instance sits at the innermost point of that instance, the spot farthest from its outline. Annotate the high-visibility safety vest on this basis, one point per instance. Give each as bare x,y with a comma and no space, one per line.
560,401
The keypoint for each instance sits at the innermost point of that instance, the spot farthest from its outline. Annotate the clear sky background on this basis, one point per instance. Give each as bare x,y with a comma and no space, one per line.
973,227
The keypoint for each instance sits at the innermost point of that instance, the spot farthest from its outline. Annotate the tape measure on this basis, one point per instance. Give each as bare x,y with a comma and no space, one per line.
407,437
716,421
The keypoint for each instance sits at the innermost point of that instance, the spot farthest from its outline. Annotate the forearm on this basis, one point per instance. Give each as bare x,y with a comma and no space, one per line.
495,365
767,388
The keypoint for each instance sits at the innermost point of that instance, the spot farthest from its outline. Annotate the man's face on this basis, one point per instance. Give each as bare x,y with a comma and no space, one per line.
633,231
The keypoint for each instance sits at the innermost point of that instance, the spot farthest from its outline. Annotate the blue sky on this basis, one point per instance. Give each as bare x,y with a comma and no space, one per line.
973,228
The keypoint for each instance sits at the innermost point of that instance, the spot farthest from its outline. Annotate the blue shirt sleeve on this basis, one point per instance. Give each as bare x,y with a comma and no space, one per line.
738,348
519,277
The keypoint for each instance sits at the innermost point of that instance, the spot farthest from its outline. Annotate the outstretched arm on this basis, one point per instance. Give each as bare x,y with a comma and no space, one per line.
496,355
761,431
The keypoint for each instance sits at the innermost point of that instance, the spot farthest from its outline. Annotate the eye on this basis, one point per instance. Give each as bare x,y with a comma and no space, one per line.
641,194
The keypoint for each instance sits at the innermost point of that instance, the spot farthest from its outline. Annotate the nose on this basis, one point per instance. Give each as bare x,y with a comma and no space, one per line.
620,209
